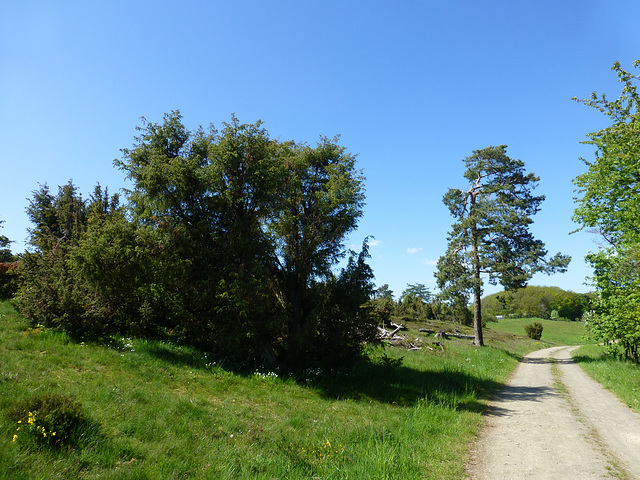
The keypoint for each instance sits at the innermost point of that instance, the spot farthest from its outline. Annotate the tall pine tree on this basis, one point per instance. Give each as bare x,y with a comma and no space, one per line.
490,235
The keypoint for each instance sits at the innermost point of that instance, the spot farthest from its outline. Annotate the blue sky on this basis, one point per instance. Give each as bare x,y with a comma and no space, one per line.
411,87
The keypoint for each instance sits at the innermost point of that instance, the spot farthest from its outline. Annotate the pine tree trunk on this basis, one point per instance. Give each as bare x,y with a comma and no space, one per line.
477,287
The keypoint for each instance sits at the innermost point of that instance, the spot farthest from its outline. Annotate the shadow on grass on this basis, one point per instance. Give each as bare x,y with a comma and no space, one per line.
405,386
177,355
365,380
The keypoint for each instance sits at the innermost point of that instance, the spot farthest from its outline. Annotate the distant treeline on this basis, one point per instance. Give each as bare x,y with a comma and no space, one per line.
541,302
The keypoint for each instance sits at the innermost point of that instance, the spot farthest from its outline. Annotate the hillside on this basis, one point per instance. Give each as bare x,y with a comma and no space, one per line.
156,410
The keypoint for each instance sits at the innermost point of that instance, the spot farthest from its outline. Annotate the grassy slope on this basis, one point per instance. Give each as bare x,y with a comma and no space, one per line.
553,333
166,412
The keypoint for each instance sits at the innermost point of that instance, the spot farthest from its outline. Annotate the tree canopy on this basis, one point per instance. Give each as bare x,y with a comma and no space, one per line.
228,239
609,201
490,235
537,301
609,191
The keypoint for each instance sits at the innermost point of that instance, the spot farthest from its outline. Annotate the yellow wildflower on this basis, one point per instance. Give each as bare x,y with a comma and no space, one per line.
15,437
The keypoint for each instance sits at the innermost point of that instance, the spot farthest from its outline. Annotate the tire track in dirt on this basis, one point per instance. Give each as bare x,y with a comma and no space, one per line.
552,421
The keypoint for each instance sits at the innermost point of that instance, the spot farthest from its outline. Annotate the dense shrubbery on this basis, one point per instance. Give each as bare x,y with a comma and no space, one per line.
534,330
228,241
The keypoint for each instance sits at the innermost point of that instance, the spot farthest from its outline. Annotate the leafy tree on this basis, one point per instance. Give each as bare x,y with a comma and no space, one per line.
537,301
609,191
321,202
615,318
414,303
491,232
258,225
417,290
209,194
344,321
49,292
5,248
383,303
608,200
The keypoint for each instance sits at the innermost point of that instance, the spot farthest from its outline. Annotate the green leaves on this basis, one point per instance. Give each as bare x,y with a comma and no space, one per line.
609,191
490,234
609,201
230,243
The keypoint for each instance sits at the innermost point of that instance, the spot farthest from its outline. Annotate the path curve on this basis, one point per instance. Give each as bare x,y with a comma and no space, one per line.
552,421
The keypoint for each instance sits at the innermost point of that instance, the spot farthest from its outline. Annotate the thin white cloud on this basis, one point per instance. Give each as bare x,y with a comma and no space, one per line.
372,242
413,250
426,261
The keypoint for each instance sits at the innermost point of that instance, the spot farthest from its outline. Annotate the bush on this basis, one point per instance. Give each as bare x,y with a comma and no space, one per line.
534,330
51,419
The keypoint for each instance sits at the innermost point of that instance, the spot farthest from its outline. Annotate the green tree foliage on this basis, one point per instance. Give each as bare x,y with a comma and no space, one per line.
609,191
491,232
229,240
609,201
415,303
321,200
534,330
7,259
209,195
51,291
615,318
383,304
536,301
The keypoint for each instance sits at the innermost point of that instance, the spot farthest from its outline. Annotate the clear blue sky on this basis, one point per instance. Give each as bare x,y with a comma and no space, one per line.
412,88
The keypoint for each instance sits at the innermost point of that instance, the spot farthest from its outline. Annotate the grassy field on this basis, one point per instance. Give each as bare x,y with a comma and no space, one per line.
159,411
554,332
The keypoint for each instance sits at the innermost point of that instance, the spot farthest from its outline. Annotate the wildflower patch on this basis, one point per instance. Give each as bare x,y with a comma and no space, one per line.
53,420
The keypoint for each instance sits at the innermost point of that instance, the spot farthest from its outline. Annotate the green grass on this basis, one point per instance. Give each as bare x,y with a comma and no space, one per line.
160,411
619,376
554,332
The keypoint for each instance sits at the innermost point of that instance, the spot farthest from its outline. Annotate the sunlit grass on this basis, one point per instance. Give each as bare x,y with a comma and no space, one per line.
620,376
165,411
554,332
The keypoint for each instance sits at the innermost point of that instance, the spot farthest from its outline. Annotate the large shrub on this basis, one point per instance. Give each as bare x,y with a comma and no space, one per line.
534,330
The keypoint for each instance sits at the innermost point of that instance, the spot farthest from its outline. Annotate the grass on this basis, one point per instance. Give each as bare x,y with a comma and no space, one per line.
554,332
619,376
161,411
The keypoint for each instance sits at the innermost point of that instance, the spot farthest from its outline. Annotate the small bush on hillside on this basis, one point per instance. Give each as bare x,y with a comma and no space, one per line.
52,419
534,330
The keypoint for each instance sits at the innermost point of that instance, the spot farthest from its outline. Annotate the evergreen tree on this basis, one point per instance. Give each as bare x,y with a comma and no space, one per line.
491,232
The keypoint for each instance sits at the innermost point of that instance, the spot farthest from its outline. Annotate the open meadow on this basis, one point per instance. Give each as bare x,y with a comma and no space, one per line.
156,410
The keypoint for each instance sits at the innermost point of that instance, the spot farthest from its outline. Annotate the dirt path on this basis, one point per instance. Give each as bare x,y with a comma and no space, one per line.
552,421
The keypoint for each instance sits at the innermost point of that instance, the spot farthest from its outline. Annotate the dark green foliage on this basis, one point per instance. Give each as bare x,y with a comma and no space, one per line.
345,321
7,266
415,303
491,233
53,291
382,304
51,419
534,330
228,242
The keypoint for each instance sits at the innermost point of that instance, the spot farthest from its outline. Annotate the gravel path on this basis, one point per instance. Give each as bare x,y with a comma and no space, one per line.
552,421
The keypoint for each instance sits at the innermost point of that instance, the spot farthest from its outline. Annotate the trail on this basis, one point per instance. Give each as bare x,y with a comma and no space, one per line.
552,421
